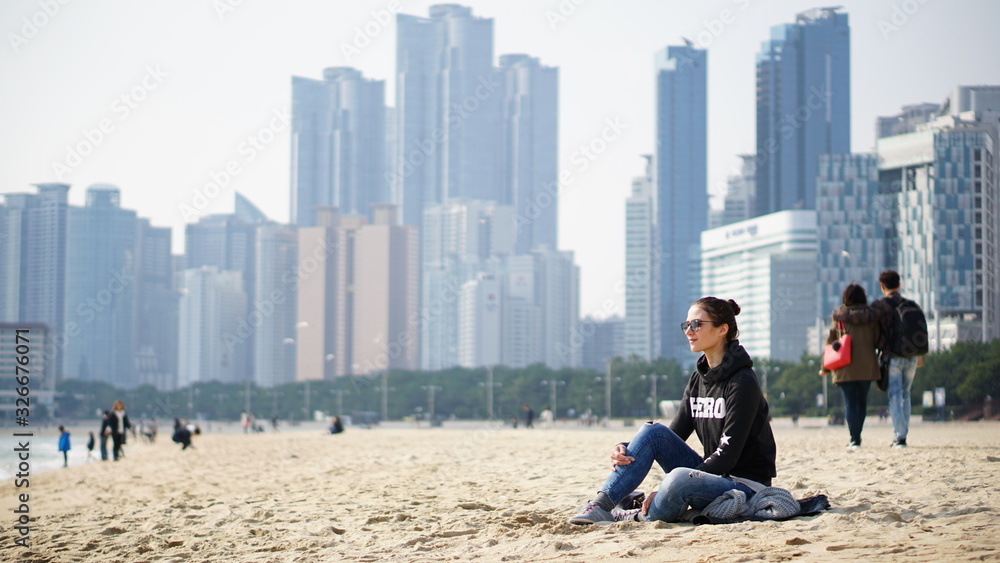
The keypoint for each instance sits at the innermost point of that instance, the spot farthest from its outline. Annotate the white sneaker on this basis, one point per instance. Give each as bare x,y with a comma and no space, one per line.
853,447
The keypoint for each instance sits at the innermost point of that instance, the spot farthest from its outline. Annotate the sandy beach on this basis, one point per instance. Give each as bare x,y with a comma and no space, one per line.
448,494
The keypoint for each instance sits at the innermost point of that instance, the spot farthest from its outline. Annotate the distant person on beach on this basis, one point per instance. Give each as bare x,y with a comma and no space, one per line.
64,445
274,421
104,433
245,421
546,417
182,434
855,379
723,404
118,425
529,416
336,425
90,446
900,352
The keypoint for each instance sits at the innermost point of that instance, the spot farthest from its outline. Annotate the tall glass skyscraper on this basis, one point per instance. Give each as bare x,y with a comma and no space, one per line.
530,119
642,271
100,289
681,184
803,107
33,252
448,119
338,144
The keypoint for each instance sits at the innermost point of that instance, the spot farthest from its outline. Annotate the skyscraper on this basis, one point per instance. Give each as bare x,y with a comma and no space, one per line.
681,184
324,283
33,277
803,106
338,144
856,225
212,343
943,177
156,308
530,122
100,289
274,304
642,270
461,238
541,304
448,100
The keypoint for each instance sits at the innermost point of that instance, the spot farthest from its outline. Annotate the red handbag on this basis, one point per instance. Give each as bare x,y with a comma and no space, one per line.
837,354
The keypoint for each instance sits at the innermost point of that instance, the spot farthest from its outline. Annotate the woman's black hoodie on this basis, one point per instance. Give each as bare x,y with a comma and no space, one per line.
726,408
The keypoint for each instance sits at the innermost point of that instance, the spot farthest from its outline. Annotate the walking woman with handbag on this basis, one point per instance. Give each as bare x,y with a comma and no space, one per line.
855,378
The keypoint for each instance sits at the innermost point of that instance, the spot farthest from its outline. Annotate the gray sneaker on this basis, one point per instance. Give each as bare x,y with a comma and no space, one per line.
633,515
591,513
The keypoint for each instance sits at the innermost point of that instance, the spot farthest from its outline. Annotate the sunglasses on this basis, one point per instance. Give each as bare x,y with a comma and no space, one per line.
695,325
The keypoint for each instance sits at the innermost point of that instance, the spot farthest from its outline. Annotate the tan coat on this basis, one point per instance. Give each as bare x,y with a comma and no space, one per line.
864,359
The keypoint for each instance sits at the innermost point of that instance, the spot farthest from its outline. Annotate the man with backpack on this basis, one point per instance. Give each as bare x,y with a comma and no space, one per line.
902,342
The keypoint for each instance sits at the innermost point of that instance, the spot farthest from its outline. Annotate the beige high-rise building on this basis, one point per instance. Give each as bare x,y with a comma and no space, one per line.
325,279
385,294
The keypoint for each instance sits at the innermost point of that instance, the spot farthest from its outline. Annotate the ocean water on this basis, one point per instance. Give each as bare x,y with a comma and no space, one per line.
43,449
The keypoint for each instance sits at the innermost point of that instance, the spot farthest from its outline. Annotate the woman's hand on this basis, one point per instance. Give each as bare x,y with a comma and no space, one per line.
646,502
618,457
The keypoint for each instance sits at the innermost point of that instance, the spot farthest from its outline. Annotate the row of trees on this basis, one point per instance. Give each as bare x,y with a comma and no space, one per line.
968,372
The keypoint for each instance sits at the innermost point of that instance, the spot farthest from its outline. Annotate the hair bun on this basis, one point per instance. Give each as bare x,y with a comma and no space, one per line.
735,306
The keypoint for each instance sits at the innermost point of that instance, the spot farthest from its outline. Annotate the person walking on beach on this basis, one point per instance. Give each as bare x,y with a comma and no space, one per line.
529,416
855,379
90,446
902,344
118,425
104,433
64,445
723,404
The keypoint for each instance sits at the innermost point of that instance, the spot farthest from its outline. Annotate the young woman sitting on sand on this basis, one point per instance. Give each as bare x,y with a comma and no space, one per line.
723,404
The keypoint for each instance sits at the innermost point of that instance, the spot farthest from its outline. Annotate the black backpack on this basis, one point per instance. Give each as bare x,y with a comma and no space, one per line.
908,335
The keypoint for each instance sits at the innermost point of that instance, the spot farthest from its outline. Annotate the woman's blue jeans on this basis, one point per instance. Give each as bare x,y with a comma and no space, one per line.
855,406
681,487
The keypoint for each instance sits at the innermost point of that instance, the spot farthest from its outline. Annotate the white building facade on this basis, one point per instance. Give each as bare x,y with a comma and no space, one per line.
768,266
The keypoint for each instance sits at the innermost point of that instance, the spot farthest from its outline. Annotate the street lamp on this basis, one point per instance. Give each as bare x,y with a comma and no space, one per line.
607,391
489,391
430,399
553,385
653,378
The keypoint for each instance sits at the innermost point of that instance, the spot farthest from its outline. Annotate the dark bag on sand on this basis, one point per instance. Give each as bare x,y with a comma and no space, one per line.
632,500
883,370
837,354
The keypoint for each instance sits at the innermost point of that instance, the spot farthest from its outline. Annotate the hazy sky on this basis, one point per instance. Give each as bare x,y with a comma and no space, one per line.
185,89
